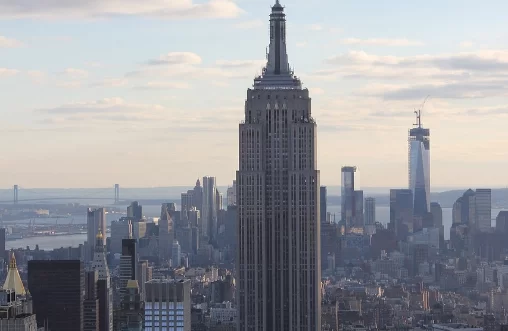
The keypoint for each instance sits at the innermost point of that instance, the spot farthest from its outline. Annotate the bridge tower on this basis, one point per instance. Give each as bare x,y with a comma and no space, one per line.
16,189
117,193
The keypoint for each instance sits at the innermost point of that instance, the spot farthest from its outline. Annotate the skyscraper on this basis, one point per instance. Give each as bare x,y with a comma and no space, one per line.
177,255
419,166
370,211
128,263
209,212
104,289
347,195
483,209
359,221
166,234
58,293
135,211
91,303
322,203
401,212
231,194
96,220
278,255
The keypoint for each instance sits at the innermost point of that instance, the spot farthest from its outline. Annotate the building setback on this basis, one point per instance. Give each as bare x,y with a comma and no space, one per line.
278,198
57,288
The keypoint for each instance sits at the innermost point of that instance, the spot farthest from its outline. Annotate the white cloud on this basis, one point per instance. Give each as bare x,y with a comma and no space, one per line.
74,73
111,82
9,43
5,72
163,86
65,9
315,27
466,44
175,58
240,63
381,42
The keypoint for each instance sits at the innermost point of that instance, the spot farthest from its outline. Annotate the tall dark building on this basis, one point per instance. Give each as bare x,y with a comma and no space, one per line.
91,303
323,203
401,212
132,309
347,196
3,253
135,211
278,259
58,293
128,263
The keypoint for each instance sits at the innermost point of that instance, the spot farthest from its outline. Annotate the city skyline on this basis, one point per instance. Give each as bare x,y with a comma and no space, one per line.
365,79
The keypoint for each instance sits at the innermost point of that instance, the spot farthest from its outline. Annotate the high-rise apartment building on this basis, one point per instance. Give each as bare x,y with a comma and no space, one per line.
167,305
483,209
58,292
370,211
323,204
192,199
419,167
95,221
209,211
278,254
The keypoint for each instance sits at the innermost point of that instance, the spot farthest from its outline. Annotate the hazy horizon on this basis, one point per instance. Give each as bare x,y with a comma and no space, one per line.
135,93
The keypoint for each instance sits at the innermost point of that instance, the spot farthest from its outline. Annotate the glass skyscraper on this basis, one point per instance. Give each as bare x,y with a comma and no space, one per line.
348,207
419,167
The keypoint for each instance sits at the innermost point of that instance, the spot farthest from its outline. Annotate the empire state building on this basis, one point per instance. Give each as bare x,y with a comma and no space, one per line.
278,258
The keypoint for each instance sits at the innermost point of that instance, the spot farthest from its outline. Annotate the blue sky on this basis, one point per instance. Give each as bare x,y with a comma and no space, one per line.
151,93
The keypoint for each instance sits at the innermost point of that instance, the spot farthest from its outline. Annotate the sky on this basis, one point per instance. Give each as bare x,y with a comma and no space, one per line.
150,93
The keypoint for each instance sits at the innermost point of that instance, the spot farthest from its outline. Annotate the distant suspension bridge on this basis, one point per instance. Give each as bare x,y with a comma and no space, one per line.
88,196
97,195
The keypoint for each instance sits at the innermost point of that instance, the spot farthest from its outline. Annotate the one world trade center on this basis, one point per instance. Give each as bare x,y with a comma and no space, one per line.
419,166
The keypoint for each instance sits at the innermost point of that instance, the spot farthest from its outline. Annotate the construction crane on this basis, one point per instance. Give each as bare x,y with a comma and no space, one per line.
418,113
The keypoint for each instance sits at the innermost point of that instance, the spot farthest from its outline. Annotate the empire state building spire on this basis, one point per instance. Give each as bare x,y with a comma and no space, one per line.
277,72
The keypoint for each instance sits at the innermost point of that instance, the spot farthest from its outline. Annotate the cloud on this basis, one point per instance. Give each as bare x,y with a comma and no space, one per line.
301,44
163,86
9,43
175,58
111,82
381,42
5,72
74,73
466,44
240,64
188,65
65,9
315,27
253,24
